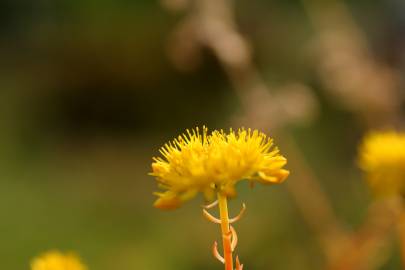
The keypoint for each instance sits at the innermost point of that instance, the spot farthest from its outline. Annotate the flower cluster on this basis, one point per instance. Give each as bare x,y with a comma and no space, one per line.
54,260
382,158
210,163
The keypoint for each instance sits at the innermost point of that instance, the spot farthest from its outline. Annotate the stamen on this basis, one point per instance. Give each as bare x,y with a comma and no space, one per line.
232,220
216,253
211,217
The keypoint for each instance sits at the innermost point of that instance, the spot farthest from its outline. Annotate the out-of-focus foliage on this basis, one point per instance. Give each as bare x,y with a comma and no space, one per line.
89,94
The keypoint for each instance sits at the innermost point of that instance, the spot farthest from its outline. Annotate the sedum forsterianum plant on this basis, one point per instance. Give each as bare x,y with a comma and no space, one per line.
382,158
213,163
55,260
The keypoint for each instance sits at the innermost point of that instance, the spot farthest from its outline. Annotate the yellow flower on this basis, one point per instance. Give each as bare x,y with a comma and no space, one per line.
210,163
382,158
54,260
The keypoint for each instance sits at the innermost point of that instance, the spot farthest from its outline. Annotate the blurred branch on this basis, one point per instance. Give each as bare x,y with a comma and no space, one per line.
348,68
211,24
364,251
369,88
314,204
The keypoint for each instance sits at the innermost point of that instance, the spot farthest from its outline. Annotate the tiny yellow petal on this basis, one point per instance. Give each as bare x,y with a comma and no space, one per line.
167,203
382,158
54,260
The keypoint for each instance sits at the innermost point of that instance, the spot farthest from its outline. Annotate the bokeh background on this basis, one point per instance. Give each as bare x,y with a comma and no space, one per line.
91,89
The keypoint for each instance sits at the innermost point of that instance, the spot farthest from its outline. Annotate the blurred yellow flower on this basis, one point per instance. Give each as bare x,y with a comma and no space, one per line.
382,158
214,163
54,260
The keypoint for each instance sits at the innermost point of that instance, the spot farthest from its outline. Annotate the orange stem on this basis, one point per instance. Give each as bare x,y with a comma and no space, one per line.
226,232
401,233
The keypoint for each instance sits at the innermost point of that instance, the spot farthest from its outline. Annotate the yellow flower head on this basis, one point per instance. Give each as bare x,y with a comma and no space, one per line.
382,158
54,260
209,163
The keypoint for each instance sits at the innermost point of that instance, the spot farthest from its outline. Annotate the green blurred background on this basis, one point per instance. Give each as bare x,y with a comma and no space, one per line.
89,94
